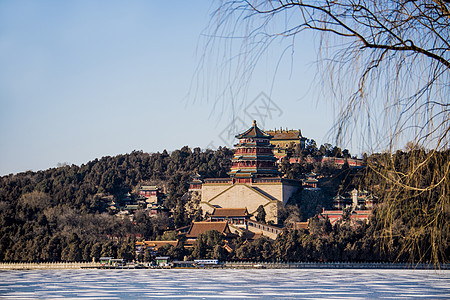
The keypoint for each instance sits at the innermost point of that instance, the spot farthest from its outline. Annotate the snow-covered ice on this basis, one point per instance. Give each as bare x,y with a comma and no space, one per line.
225,284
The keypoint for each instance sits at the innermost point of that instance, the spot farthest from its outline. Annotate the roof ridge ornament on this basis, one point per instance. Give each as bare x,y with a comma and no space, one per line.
254,132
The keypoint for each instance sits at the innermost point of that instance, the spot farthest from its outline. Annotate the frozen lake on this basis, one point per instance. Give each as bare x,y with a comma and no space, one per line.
225,284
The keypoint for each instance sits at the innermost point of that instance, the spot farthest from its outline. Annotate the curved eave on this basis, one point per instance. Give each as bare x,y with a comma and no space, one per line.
257,158
248,134
254,132
251,145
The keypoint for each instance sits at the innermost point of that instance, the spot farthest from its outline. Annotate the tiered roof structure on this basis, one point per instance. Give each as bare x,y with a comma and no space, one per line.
311,181
253,156
196,183
254,181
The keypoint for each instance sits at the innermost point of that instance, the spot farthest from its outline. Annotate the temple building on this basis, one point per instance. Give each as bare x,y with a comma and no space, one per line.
151,194
359,205
253,156
236,216
254,179
310,183
283,139
195,184
198,228
362,200
356,217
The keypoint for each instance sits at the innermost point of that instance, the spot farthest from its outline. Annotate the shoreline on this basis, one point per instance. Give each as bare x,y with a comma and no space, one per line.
230,265
49,265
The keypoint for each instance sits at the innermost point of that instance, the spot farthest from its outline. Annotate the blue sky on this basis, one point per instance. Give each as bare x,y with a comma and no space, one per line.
84,79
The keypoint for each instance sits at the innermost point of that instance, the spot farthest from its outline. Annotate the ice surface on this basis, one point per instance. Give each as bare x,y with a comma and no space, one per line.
225,284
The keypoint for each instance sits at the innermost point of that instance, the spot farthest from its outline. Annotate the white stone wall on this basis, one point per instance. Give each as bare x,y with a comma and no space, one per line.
250,196
211,190
275,190
238,196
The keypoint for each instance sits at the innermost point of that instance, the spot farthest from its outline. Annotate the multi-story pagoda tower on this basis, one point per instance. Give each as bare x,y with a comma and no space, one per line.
253,157
254,179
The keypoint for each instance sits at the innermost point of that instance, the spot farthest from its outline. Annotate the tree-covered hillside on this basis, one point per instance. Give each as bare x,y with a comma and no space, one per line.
60,213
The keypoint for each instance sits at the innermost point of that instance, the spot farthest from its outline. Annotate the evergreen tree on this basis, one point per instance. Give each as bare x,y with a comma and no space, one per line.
261,214
126,250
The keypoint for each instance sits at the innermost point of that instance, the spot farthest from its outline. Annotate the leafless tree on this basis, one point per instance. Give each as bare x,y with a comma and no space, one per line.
387,66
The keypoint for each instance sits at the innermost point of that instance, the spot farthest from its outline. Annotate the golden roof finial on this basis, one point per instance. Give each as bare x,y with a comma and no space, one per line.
254,122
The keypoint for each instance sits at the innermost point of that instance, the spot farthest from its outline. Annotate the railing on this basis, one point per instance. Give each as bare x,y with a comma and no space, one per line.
263,180
217,180
264,227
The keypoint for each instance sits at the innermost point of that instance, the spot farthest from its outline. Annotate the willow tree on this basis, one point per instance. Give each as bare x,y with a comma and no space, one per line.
386,65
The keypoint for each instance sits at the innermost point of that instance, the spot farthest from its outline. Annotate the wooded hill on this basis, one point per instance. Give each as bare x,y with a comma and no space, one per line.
61,214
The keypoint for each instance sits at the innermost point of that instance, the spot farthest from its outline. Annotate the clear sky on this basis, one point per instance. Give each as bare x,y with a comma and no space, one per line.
84,79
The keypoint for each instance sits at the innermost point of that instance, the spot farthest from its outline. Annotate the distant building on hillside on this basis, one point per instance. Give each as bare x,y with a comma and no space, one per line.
362,200
336,161
310,183
198,228
236,216
283,139
354,215
356,207
195,185
153,246
155,209
149,199
151,193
